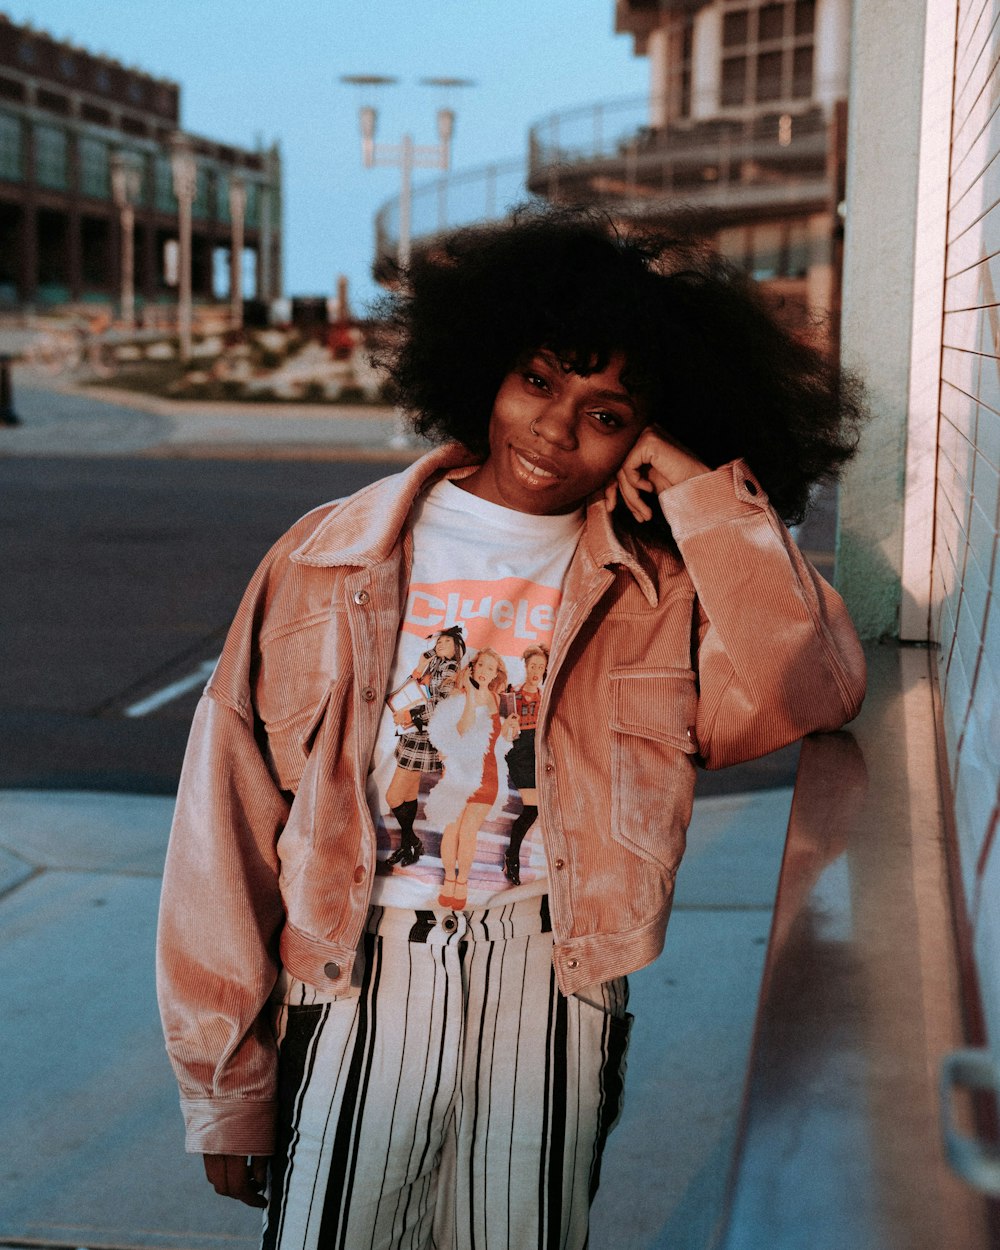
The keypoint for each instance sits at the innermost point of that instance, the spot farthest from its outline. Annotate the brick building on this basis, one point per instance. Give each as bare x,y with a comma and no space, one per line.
66,117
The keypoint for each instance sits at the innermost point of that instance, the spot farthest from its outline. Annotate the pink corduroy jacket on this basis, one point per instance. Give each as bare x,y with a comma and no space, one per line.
656,663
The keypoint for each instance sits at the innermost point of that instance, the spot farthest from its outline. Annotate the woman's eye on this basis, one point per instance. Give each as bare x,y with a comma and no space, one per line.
610,420
535,379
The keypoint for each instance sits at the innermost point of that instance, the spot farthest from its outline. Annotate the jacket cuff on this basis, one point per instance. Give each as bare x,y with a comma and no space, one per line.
710,499
229,1126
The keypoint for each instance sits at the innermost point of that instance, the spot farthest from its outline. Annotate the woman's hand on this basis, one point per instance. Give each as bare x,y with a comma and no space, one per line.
653,464
236,1176
510,727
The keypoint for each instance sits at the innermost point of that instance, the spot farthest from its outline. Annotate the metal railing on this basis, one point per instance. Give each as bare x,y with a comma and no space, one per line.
610,153
454,200
605,153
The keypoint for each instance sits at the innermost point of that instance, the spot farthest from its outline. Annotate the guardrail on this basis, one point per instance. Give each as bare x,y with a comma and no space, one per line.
454,200
861,1000
594,154
609,153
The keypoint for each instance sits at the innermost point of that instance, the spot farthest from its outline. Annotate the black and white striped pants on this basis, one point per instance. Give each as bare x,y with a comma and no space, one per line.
459,1101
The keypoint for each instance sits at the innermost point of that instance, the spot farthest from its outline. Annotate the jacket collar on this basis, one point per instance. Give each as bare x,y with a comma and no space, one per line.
364,529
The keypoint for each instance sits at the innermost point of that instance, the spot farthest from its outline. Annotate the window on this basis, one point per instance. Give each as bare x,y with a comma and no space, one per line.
95,170
767,250
11,148
201,205
767,51
222,197
252,215
163,177
51,152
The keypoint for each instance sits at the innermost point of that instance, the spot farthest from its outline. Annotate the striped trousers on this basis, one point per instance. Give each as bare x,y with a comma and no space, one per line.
457,1101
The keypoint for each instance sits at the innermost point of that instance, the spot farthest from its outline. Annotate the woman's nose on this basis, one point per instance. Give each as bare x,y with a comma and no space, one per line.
556,424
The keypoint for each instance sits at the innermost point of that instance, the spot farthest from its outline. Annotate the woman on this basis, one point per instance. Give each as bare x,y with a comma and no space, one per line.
416,756
467,728
521,757
624,427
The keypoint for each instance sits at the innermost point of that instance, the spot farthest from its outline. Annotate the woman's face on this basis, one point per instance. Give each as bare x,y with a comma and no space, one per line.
445,647
555,436
534,668
485,669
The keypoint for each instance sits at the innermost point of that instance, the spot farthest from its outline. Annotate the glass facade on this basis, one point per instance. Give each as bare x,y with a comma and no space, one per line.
163,179
253,204
51,157
201,205
95,168
11,148
222,196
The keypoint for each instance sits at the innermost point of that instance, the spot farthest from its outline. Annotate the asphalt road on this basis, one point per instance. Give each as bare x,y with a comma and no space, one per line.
118,578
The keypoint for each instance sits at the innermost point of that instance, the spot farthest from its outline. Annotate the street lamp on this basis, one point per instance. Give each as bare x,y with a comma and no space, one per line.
237,215
405,155
126,187
185,173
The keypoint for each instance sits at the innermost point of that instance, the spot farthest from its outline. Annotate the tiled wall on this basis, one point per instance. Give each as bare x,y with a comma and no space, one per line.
965,614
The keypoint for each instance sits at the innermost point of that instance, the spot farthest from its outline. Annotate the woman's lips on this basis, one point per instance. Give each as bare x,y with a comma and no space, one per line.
533,470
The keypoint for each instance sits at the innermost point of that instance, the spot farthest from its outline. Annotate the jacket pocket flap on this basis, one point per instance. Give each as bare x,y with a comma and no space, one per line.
291,739
659,703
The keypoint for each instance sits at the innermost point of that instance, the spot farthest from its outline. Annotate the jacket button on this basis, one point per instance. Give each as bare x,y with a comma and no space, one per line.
449,924
361,597
751,487
332,970
550,767
560,864
368,694
572,963
690,733
359,873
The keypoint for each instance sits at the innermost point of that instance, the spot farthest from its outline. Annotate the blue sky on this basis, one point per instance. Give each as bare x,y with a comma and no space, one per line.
252,68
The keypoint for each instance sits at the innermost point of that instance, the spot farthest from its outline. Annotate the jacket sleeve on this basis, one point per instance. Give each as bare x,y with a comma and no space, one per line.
221,914
777,654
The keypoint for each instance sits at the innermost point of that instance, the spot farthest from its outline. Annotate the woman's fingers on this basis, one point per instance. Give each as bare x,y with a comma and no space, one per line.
236,1176
629,490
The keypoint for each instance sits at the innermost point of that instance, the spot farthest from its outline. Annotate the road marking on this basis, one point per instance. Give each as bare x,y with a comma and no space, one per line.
174,691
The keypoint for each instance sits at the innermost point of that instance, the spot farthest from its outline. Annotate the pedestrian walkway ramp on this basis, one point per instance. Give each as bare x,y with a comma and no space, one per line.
856,972
91,1103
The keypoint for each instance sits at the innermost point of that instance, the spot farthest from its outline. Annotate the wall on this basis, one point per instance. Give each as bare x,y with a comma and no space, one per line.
919,522
965,579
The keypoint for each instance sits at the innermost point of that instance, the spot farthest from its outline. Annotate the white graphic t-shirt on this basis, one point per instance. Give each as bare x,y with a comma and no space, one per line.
451,785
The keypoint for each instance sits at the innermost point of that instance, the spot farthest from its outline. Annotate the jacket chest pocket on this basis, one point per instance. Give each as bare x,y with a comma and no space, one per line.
653,723
290,742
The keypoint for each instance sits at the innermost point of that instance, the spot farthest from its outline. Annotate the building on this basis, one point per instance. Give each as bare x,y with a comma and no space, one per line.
67,118
919,524
741,139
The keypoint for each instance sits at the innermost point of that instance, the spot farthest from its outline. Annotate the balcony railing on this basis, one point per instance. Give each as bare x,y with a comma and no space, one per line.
608,153
452,201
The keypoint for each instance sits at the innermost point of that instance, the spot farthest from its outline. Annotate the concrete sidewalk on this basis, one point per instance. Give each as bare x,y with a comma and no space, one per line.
61,418
90,1105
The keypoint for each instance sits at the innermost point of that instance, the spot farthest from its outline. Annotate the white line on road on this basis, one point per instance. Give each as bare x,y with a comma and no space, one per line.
174,691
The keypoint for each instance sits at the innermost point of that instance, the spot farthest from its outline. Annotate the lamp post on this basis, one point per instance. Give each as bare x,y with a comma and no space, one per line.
126,187
237,216
185,173
405,155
